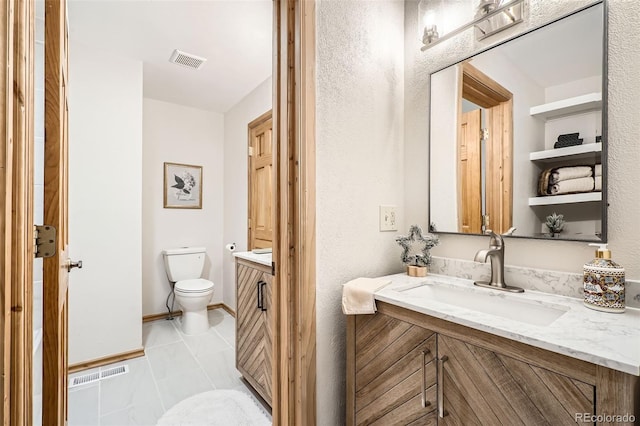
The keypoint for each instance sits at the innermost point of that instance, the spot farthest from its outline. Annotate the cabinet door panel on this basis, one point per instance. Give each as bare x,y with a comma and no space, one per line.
484,387
393,356
268,336
253,329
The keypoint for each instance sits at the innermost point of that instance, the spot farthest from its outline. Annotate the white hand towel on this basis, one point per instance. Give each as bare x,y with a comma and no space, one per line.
566,173
357,295
598,186
598,170
573,185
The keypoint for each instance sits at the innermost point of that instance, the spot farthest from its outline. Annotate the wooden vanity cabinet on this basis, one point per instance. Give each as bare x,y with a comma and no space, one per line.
471,377
254,337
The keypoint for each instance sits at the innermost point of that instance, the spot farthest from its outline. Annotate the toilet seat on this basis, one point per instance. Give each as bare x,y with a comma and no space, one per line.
197,285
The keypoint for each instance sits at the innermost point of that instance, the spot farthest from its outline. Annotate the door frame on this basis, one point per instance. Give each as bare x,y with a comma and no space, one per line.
294,251
17,43
482,90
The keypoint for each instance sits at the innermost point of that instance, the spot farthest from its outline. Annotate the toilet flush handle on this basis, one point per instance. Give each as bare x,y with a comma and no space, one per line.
72,264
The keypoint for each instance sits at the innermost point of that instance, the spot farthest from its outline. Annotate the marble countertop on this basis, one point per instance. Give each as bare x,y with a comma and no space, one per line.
607,339
263,259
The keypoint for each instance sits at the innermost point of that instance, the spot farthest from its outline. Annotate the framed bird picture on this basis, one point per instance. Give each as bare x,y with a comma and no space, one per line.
182,186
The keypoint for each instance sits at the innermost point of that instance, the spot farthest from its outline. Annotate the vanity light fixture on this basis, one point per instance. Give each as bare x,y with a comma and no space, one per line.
491,17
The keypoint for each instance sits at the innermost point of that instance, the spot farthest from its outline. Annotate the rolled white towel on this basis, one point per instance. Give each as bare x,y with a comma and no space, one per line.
566,173
357,295
598,184
598,170
584,184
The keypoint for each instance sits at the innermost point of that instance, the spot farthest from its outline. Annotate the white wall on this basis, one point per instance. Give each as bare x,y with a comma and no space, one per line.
235,202
178,134
624,153
105,185
444,148
359,157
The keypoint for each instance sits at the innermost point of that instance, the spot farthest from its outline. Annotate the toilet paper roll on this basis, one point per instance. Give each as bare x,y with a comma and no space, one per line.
231,247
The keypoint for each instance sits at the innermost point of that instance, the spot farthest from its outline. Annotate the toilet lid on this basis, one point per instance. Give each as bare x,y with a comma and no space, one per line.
198,285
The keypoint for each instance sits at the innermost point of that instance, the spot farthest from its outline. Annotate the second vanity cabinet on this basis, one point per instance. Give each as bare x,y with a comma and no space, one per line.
254,353
408,368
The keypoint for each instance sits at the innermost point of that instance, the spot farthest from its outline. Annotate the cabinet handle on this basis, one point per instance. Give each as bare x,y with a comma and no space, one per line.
262,284
440,384
259,289
425,403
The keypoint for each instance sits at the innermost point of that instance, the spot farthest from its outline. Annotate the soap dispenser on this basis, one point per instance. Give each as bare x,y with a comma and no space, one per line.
604,282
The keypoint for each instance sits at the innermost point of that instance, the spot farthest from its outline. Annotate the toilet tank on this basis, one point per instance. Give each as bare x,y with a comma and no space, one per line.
184,263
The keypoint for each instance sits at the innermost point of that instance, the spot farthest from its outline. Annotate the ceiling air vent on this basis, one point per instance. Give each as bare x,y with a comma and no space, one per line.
187,59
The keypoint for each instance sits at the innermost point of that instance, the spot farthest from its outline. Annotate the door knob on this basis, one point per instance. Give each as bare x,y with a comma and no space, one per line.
73,264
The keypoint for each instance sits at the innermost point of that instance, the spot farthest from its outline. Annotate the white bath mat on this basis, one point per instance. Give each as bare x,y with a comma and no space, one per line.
213,408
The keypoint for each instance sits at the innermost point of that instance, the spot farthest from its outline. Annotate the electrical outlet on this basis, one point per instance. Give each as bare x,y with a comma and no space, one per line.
388,218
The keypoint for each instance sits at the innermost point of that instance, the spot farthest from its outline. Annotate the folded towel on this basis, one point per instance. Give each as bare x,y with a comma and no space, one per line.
584,184
357,295
598,184
566,173
597,170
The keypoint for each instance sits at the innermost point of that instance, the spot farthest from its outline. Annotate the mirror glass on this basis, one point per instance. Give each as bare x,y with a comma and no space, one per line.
517,138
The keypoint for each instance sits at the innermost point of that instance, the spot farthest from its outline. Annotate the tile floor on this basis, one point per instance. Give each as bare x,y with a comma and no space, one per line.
175,367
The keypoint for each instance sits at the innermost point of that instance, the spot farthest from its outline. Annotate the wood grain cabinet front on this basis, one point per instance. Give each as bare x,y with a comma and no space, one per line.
395,374
482,387
254,351
407,368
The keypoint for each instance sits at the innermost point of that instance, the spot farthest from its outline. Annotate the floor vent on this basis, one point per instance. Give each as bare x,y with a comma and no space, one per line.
85,379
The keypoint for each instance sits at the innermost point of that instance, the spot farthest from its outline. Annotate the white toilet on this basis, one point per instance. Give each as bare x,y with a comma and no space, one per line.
184,267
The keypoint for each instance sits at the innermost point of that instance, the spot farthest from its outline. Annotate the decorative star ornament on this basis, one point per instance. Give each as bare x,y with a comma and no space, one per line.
424,242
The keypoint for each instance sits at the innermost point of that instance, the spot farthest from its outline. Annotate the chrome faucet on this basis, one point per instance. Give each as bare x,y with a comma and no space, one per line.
495,253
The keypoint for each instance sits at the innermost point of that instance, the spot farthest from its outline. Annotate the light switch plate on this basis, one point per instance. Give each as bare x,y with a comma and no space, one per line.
388,218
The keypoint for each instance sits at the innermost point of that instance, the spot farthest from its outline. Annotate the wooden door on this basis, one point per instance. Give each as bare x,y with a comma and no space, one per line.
499,167
254,338
482,387
390,371
260,182
469,182
55,278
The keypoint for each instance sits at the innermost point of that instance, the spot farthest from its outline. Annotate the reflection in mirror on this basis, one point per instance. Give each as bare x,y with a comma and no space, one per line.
517,135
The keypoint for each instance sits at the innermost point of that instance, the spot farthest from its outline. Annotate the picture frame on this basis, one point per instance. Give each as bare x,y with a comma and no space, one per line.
182,186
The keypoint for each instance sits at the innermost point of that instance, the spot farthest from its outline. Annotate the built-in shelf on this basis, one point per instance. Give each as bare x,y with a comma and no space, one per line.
570,152
583,103
583,197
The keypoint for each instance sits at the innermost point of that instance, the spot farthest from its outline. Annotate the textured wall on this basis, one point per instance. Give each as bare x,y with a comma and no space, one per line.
624,128
359,166
179,134
236,186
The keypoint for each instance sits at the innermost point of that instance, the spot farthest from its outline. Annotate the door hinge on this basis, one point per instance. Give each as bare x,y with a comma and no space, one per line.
44,237
485,222
273,268
250,151
484,134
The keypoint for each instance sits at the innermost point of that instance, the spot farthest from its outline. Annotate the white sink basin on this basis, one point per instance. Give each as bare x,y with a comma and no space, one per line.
492,302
